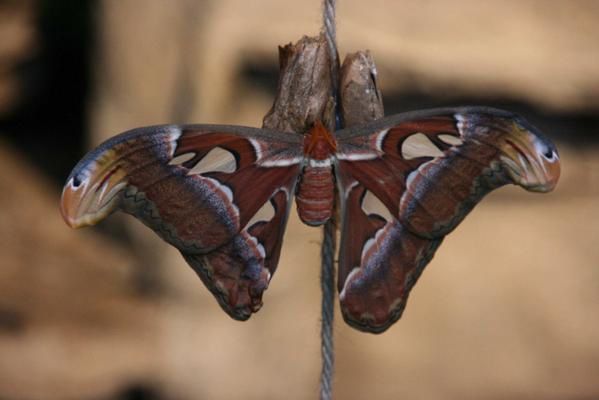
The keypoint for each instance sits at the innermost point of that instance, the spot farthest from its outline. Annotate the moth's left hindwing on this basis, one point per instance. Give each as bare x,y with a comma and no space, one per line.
220,194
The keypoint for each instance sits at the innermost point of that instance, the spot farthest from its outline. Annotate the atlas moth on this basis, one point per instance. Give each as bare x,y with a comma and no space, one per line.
222,194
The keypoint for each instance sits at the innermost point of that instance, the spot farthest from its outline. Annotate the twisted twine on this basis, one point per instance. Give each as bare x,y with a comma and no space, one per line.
327,285
330,31
327,274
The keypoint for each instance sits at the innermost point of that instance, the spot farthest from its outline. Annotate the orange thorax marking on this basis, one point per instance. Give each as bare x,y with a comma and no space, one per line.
319,143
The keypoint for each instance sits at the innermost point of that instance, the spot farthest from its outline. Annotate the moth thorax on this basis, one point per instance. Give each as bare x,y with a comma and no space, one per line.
316,192
319,143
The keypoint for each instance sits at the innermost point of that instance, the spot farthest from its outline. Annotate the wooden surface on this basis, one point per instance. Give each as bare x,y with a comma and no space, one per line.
304,93
361,100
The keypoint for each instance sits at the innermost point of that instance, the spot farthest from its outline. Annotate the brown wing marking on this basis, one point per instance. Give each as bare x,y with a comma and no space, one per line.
374,295
354,235
239,272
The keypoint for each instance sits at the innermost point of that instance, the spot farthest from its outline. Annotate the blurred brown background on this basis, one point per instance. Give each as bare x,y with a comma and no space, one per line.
507,309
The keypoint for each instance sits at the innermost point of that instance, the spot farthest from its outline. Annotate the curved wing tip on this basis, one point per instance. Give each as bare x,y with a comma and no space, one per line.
240,316
68,205
241,313
368,324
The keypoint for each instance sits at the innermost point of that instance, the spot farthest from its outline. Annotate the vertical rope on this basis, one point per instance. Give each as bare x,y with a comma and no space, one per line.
327,274
330,31
329,21
327,285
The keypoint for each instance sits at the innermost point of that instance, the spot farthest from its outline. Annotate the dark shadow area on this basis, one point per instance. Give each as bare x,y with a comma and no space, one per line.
139,391
265,76
49,122
12,322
